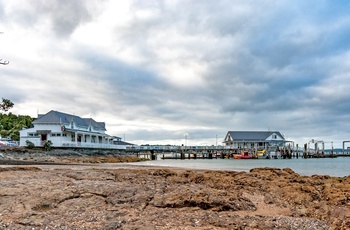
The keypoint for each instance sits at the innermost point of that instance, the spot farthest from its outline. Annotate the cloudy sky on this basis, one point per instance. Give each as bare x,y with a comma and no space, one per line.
157,70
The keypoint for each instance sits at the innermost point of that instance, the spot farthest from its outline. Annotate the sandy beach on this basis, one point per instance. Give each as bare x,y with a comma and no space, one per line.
70,194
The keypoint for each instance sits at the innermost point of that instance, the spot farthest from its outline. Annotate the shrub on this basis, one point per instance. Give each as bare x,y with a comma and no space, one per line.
30,144
47,145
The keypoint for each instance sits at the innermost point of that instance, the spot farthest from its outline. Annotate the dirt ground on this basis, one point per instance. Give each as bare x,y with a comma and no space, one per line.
92,195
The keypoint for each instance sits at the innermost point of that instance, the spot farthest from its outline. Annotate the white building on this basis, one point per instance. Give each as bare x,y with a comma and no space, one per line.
254,139
66,130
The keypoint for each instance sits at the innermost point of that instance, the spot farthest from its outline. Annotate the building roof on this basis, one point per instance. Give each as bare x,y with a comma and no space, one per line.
252,135
55,117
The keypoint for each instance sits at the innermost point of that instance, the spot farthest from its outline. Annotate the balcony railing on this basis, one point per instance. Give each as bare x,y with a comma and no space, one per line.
92,145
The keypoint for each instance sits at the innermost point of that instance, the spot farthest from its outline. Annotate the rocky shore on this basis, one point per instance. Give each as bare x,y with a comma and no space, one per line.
71,194
23,155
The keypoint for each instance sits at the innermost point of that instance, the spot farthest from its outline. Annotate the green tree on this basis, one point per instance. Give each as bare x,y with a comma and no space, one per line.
11,124
6,105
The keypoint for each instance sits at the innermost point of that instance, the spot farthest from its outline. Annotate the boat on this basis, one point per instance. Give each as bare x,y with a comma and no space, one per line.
260,154
243,155
246,155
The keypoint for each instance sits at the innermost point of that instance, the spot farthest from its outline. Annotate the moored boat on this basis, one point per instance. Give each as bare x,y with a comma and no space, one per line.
246,155
260,154
243,155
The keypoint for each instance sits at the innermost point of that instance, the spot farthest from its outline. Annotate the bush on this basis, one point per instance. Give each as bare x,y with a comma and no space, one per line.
47,145
30,144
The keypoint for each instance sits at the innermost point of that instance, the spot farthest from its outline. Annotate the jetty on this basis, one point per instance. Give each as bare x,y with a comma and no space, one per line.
224,152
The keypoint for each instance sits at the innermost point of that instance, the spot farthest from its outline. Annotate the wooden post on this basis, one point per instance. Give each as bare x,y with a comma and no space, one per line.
289,152
323,149
297,154
153,155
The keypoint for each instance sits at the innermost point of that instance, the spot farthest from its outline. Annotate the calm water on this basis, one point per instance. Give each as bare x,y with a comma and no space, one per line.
339,167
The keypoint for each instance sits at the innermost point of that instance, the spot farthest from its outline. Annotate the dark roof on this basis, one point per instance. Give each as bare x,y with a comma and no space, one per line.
93,123
252,135
55,117
123,143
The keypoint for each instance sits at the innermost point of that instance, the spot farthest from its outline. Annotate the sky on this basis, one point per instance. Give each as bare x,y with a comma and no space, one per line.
182,72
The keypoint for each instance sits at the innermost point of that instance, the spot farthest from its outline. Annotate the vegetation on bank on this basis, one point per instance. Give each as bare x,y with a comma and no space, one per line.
11,124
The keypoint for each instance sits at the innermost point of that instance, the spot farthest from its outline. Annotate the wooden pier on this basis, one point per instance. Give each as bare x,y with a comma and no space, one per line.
278,153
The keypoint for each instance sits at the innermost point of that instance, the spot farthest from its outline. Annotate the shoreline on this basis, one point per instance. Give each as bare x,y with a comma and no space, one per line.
37,156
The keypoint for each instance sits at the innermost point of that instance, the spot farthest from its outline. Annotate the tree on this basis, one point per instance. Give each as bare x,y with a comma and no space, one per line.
6,105
4,62
11,124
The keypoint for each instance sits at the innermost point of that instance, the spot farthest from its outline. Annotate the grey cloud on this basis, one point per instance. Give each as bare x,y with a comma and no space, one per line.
123,78
268,73
64,15
264,64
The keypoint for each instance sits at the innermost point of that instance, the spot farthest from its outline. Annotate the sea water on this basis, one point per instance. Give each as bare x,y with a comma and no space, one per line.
338,167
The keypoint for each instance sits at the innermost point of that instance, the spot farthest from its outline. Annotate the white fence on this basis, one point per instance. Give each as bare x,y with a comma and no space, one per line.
92,145
37,142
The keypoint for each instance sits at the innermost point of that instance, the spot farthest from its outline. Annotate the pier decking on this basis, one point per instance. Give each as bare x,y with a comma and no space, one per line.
213,153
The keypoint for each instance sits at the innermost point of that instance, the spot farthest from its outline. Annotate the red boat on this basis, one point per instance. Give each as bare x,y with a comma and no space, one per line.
243,155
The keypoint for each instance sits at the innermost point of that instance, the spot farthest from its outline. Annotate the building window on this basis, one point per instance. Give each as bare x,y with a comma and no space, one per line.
64,134
53,134
274,136
58,134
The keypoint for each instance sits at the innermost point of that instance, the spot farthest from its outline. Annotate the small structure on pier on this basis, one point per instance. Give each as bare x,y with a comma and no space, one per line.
254,139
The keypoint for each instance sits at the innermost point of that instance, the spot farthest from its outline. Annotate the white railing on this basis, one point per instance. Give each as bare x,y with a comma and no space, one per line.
176,147
92,145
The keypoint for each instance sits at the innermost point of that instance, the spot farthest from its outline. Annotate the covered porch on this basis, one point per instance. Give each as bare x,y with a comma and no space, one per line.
78,138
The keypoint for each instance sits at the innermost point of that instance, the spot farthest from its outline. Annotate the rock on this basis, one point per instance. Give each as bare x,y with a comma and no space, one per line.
95,197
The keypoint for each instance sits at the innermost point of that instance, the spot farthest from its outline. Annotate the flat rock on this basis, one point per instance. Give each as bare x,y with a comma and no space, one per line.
129,197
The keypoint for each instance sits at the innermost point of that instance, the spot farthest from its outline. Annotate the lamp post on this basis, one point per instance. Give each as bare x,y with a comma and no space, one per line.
186,134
